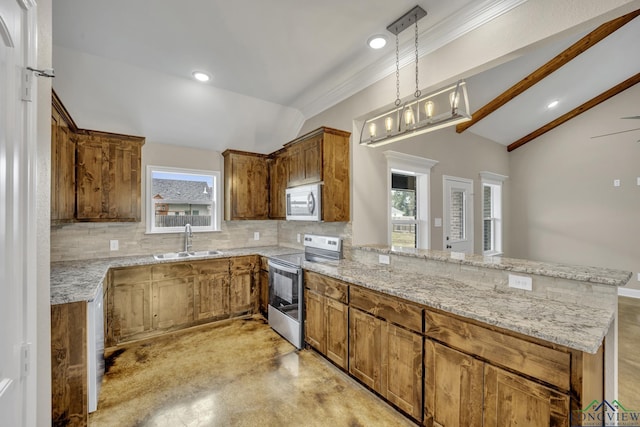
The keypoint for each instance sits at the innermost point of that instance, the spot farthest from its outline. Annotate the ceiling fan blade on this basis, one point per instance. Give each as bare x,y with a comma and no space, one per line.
631,117
614,133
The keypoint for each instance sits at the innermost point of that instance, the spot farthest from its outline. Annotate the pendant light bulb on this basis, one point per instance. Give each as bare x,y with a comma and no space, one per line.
388,124
429,108
372,130
408,117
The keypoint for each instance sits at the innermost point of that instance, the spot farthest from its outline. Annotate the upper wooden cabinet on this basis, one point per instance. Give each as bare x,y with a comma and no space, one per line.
109,176
278,178
319,156
246,185
95,176
63,163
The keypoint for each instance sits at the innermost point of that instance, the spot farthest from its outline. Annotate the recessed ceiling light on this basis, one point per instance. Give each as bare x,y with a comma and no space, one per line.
553,104
377,42
201,76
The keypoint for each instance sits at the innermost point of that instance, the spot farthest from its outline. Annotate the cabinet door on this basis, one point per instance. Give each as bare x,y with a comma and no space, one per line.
242,288
264,292
452,387
402,357
63,170
211,296
108,178
246,186
311,156
131,309
511,400
365,344
172,302
337,325
278,175
315,321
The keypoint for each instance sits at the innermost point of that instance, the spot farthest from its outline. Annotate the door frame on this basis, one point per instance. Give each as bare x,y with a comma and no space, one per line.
470,208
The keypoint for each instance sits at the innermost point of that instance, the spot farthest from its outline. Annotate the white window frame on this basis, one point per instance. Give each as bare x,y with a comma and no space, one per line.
420,167
216,209
494,181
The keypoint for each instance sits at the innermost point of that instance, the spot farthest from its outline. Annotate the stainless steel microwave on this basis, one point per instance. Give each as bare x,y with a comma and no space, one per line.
304,203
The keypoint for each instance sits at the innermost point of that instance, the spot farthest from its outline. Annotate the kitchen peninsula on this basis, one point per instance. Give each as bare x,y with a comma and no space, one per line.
450,320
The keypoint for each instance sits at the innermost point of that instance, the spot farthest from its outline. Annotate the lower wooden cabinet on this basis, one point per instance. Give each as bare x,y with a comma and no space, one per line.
388,359
511,400
69,364
326,327
149,300
453,387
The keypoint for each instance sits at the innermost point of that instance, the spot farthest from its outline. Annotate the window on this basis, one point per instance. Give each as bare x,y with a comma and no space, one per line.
176,197
404,213
492,213
408,190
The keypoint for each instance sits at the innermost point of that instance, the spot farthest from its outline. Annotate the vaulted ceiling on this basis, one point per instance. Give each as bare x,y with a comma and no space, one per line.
126,66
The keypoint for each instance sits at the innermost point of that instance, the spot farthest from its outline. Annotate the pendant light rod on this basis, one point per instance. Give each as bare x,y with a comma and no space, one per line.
406,20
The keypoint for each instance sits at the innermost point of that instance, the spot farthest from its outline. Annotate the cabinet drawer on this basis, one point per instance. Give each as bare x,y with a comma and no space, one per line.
327,286
131,275
544,363
217,266
387,307
173,270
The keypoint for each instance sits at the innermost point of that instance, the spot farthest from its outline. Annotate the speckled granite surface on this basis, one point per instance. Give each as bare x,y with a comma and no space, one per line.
603,276
79,280
571,325
574,326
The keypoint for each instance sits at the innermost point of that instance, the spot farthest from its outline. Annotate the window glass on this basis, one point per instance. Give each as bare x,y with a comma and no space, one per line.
404,211
491,218
180,197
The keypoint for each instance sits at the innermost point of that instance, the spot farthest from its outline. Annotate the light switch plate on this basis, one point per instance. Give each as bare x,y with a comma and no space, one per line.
256,235
437,222
520,282
298,237
616,183
113,245
638,180
383,259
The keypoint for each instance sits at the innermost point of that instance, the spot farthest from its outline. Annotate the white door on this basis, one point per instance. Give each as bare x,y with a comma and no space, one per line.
458,214
17,238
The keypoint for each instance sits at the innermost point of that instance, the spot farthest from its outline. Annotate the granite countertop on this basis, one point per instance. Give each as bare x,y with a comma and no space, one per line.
603,276
73,281
577,327
574,326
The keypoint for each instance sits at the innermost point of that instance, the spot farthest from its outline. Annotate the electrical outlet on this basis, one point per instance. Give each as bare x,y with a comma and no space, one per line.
638,277
437,222
256,235
616,183
298,237
638,180
113,245
520,282
384,259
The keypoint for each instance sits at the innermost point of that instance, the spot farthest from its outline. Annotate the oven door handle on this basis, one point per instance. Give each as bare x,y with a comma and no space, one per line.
283,268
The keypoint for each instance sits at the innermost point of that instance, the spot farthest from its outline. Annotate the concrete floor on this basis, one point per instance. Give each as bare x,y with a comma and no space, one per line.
236,373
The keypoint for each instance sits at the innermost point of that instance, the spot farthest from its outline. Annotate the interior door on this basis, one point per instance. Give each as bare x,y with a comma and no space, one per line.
17,218
458,214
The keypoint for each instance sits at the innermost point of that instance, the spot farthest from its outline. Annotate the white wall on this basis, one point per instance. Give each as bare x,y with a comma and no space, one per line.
564,206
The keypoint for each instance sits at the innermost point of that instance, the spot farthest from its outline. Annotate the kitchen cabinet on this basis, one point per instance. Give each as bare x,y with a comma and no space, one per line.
246,185
69,394
386,348
453,387
211,298
263,303
278,178
305,161
326,317
242,287
63,163
108,176
128,304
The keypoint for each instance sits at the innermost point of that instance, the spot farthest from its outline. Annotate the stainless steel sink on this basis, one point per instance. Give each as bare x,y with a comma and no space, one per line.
178,255
204,253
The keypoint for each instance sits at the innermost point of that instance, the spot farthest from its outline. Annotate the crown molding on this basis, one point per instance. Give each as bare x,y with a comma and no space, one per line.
327,94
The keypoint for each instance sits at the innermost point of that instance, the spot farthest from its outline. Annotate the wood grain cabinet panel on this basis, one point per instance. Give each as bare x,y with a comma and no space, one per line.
511,400
246,185
108,176
315,321
278,179
365,344
132,313
63,163
172,303
242,287
337,332
69,364
211,293
453,387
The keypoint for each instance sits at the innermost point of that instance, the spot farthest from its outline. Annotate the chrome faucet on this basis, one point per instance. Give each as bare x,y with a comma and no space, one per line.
188,236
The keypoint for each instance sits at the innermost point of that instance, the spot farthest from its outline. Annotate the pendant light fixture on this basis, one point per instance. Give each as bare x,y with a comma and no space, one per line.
418,113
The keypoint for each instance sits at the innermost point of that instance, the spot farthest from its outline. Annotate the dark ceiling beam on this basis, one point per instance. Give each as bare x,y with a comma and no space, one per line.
558,61
576,111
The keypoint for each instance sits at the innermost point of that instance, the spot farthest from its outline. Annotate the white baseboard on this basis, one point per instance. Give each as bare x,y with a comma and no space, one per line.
631,293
